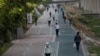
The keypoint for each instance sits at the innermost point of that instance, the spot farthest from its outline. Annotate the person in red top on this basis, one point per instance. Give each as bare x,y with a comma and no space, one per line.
64,17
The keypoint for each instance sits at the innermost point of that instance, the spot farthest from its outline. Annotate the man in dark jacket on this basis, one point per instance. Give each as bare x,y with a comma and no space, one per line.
77,40
35,20
50,14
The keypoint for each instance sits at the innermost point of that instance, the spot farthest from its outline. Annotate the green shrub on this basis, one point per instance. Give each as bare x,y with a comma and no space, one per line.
84,20
93,49
4,48
92,23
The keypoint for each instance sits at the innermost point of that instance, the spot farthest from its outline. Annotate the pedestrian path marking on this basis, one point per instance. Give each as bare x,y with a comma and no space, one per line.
30,44
27,48
24,53
54,37
57,49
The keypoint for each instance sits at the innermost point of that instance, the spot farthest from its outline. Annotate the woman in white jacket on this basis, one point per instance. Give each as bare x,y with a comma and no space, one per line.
57,29
48,50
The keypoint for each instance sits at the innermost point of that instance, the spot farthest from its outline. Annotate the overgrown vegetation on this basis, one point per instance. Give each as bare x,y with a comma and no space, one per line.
94,50
88,23
4,48
93,23
13,15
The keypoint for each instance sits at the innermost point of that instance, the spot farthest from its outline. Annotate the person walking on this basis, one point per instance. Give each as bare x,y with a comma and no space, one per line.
62,12
35,20
77,40
49,21
58,6
47,8
48,50
50,14
64,18
55,10
52,6
57,29
70,20
53,18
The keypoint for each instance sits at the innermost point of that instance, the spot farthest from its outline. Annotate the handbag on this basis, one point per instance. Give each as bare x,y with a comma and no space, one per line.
74,45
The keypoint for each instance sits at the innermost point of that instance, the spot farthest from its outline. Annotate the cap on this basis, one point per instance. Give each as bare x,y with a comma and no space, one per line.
47,43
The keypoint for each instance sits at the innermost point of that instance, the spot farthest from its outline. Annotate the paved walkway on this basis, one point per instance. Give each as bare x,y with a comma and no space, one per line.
34,42
66,39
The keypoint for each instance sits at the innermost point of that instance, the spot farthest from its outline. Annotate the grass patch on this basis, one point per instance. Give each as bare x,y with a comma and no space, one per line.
94,50
92,23
4,48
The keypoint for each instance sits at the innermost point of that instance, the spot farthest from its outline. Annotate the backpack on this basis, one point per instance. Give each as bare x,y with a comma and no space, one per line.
77,38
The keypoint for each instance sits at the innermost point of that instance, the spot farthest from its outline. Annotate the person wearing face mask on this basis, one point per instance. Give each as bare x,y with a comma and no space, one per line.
48,49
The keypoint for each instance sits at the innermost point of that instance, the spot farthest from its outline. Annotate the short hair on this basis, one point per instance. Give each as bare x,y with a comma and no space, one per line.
78,33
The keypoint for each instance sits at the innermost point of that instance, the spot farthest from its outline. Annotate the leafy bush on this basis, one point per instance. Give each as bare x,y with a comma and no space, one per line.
84,20
4,48
13,15
93,49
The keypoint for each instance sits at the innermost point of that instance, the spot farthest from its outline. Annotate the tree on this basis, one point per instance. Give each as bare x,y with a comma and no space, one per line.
13,15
